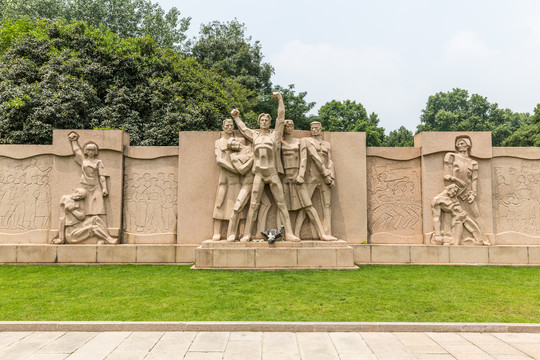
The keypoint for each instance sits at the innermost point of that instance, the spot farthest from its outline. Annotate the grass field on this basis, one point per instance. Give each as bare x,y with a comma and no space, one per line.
175,293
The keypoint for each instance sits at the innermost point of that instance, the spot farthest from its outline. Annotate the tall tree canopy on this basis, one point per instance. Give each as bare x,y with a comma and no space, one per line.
351,116
134,18
527,135
457,111
399,138
71,75
225,47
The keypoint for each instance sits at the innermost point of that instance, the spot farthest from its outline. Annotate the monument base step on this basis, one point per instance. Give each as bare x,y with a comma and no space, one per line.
280,255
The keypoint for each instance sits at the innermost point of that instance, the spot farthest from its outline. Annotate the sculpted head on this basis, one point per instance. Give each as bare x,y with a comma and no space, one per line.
452,190
91,149
228,126
289,127
264,121
79,194
463,144
316,128
233,144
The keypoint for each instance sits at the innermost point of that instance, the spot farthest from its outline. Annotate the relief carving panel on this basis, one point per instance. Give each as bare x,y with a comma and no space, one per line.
394,199
516,196
25,196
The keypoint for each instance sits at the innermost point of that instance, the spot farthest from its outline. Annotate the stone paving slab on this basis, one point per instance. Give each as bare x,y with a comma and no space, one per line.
225,345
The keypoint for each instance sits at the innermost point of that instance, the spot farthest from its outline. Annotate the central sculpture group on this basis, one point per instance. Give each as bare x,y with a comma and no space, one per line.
292,167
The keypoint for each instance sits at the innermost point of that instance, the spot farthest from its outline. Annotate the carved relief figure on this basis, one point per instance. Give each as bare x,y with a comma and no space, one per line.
462,172
266,167
320,174
393,201
25,194
229,179
93,176
449,230
516,198
76,226
150,203
294,152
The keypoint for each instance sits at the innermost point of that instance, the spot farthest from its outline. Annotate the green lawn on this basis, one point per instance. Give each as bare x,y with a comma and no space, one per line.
175,293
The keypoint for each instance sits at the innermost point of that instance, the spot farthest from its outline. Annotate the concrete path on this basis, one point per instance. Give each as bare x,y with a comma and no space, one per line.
268,345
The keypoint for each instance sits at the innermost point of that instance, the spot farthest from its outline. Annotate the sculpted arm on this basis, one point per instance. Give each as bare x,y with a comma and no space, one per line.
280,120
247,132
303,162
75,147
221,161
102,179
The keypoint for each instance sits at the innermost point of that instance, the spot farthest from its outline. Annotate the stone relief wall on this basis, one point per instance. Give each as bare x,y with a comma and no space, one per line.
394,199
25,198
150,195
516,200
115,193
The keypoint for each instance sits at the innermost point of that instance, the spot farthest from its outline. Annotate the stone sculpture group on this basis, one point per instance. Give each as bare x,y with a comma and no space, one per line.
292,167
455,208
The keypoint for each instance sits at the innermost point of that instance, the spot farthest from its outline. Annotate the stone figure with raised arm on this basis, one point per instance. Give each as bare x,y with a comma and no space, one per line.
93,176
266,167
295,154
449,219
229,179
76,226
320,174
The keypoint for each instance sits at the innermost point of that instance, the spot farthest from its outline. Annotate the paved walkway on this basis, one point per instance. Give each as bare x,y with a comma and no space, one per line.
268,345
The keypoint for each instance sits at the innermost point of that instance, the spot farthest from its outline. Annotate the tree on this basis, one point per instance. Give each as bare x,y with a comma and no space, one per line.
134,18
74,76
351,116
225,48
400,138
528,135
456,111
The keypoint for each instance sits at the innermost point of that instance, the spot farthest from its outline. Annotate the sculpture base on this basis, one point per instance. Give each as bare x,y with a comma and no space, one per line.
308,254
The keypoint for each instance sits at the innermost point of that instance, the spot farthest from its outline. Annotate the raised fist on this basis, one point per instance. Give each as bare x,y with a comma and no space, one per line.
73,136
235,113
276,94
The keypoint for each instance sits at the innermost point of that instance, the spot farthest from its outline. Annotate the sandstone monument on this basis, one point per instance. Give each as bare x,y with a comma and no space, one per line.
90,197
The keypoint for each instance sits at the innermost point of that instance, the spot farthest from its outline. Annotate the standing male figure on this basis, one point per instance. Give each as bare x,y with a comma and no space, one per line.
229,179
320,174
266,167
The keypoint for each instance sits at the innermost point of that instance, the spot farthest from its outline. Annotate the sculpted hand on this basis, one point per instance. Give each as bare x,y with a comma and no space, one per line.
105,193
276,94
235,113
299,180
73,136
471,197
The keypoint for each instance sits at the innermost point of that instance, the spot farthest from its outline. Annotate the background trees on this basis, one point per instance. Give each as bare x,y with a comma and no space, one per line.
128,64
71,75
457,111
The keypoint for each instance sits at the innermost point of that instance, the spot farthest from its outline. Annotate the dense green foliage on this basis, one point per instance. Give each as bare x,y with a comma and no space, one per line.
400,138
127,64
133,18
527,135
176,293
351,116
72,75
457,111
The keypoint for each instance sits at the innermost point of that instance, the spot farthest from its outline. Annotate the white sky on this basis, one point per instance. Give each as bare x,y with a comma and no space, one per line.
391,55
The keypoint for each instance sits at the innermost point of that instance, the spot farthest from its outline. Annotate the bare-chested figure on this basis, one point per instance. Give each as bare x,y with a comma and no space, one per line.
320,174
447,202
294,152
266,167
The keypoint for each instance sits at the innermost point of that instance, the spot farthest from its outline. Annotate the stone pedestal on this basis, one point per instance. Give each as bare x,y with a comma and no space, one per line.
279,255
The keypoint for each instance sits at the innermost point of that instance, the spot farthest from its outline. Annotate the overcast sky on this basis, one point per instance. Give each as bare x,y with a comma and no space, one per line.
391,55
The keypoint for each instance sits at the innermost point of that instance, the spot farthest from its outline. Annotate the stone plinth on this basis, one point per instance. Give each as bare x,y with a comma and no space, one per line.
279,255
